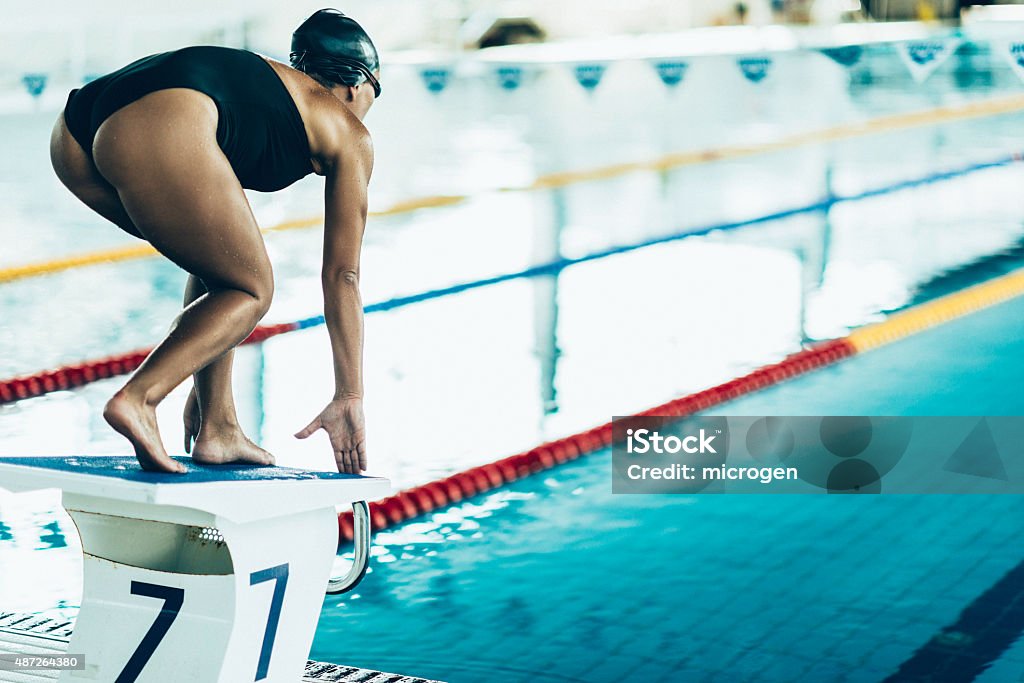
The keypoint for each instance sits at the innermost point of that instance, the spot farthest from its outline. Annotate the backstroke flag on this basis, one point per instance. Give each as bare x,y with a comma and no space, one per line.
756,68
923,57
1013,52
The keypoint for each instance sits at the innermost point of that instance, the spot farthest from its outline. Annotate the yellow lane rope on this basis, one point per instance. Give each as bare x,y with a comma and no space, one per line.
882,124
938,311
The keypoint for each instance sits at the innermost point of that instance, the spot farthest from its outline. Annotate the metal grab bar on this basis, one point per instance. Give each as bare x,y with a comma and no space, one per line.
361,546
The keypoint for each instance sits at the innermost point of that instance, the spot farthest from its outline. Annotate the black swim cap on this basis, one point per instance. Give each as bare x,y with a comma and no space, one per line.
335,47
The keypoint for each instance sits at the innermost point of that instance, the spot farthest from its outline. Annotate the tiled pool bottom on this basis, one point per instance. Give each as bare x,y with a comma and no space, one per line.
555,579
559,580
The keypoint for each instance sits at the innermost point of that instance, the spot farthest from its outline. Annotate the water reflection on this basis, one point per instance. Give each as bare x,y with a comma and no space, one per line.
548,249
473,377
52,537
40,562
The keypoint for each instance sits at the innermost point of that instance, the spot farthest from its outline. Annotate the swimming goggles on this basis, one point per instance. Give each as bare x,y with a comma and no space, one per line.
329,65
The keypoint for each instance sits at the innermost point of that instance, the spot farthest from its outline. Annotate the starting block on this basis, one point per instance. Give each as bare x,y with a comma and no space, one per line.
217,575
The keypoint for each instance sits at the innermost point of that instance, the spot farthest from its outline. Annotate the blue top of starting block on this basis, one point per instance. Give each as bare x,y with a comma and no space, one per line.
127,468
237,492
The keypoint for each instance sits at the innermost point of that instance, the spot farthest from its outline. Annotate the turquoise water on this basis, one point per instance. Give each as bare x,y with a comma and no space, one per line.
555,579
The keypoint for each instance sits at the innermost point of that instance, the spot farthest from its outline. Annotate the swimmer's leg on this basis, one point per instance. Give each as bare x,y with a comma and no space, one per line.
181,193
210,417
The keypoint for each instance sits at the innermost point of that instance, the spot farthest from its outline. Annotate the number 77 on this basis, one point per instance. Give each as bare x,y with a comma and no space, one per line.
174,598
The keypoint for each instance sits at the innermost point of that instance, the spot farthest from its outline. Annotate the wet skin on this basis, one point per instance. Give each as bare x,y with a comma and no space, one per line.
177,190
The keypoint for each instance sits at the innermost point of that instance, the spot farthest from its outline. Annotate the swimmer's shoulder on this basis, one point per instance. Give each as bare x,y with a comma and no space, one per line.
332,130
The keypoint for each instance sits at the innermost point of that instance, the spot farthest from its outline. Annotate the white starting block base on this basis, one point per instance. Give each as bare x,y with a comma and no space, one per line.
215,576
40,636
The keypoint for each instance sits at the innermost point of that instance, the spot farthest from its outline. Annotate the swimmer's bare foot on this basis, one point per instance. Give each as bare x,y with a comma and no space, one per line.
227,444
136,421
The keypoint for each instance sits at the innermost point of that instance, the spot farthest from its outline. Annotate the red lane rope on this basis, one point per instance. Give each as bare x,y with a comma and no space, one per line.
80,374
420,500
70,376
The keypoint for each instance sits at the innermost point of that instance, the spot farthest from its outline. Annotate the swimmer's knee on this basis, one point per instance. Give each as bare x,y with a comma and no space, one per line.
264,298
263,291
258,307
259,295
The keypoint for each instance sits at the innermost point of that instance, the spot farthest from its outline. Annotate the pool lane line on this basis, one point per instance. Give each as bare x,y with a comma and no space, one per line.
889,123
843,131
85,372
420,500
929,314
983,631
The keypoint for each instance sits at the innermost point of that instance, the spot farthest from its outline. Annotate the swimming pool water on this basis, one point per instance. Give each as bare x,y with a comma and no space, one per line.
554,578
763,290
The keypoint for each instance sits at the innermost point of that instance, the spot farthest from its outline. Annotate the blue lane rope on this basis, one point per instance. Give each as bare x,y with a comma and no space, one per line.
554,267
82,373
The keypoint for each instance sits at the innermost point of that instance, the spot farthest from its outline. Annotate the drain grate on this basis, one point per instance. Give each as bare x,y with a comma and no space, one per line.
22,633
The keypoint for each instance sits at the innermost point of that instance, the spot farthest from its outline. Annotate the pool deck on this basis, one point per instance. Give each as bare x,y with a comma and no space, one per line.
42,636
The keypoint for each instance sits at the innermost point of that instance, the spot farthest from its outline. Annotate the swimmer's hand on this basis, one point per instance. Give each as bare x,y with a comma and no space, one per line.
344,423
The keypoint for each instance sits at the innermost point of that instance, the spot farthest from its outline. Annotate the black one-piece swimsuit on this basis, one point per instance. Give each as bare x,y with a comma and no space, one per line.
259,127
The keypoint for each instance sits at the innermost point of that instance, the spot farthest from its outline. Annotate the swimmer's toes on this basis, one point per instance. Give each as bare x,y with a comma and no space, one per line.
151,464
237,449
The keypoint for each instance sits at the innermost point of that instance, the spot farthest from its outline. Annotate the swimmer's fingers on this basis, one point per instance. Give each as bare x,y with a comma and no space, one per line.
361,455
343,460
344,423
309,429
355,459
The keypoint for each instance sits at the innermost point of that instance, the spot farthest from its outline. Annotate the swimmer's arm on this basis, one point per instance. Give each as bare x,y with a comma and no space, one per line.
348,174
345,207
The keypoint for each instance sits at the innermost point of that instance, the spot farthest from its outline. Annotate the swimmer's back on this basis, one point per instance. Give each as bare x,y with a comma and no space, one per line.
259,127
